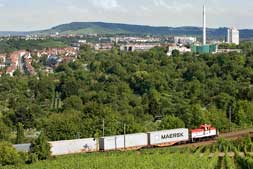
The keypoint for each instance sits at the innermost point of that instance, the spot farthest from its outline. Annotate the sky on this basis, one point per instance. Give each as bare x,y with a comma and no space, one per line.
27,15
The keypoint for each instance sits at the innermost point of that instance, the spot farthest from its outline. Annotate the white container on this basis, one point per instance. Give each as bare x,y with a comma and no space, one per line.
120,142
168,137
73,146
22,147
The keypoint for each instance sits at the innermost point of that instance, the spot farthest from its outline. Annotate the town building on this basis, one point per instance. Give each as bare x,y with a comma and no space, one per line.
229,50
53,60
184,40
19,60
132,39
233,36
103,46
2,61
139,47
181,49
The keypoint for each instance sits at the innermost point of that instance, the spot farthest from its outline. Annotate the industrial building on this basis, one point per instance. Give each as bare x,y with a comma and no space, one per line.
181,49
204,48
233,36
139,47
184,40
201,49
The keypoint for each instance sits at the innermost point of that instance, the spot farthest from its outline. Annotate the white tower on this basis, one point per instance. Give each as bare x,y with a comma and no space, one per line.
228,36
233,36
204,24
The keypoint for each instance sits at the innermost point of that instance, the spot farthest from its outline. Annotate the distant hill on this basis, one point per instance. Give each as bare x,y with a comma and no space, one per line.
115,28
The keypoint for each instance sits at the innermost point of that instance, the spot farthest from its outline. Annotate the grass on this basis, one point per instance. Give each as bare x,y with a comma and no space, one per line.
159,158
146,159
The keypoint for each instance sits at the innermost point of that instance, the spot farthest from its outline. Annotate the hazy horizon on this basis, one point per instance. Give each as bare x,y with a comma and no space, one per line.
30,15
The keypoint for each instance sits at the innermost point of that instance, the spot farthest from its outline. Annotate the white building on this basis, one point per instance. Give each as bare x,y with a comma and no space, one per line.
184,40
82,41
139,47
233,36
180,49
2,61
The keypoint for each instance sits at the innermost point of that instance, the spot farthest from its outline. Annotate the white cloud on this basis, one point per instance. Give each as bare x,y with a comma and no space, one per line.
172,5
161,3
73,8
2,5
105,4
144,8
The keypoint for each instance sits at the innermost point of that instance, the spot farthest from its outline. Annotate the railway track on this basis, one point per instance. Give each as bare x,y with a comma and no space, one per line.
230,136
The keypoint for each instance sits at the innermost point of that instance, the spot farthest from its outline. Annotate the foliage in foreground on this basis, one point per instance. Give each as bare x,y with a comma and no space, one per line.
40,148
128,160
8,154
207,157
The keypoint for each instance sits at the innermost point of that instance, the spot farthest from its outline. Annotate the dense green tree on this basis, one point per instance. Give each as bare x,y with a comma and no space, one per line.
4,131
40,147
68,87
175,53
73,102
20,134
63,126
171,122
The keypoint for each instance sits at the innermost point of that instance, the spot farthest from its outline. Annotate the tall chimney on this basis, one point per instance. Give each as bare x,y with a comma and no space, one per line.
204,25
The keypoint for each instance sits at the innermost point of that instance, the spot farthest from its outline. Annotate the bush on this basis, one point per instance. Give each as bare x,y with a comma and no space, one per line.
8,154
40,148
4,132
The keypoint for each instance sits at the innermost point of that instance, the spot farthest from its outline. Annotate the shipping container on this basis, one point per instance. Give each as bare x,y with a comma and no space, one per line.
73,146
120,142
168,137
22,147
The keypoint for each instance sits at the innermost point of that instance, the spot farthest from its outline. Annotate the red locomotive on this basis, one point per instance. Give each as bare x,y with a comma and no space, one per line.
204,132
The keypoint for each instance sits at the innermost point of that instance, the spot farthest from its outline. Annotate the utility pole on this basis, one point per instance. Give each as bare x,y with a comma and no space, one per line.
103,125
230,118
124,136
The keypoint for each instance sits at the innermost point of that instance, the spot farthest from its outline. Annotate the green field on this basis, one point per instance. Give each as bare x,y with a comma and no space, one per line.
126,160
144,159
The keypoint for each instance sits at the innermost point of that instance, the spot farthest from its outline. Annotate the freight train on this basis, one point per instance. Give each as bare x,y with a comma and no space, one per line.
135,141
131,141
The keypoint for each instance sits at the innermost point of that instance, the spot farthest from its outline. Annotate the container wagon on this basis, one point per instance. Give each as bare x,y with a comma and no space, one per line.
168,137
73,146
123,142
